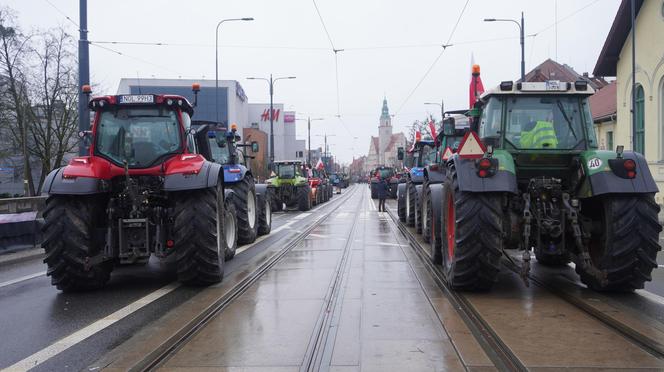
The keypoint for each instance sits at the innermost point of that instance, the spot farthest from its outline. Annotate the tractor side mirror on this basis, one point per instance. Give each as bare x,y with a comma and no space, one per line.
400,153
254,147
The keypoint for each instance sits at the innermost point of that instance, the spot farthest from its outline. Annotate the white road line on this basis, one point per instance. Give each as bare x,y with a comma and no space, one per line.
660,266
651,296
22,278
65,343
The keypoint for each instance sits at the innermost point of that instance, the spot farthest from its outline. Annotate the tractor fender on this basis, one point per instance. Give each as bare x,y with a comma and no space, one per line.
436,201
434,176
231,177
468,180
607,182
209,176
262,189
416,175
401,190
54,184
229,194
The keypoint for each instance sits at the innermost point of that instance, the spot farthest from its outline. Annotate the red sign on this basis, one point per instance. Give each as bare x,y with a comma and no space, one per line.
265,116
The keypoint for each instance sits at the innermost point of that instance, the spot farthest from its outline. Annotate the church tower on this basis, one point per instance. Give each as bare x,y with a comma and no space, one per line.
384,132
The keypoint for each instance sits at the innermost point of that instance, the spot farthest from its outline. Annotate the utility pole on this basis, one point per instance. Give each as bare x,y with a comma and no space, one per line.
83,74
633,10
521,38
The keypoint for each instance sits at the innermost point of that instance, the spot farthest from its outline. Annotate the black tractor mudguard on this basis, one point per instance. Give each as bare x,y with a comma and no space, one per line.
609,183
54,184
262,189
434,176
502,181
209,175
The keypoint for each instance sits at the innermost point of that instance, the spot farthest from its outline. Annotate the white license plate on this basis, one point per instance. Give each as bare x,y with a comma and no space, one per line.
143,98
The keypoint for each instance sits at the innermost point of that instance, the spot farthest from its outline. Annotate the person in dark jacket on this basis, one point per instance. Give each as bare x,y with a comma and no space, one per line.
381,190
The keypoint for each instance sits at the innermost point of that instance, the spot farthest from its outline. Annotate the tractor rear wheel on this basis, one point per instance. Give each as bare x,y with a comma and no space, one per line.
303,199
418,209
203,233
245,205
472,236
411,199
624,243
434,207
425,214
69,224
264,214
401,202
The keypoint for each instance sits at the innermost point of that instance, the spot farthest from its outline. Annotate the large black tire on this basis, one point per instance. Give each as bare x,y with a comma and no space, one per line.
231,242
425,213
200,225
277,203
303,199
264,213
432,220
471,226
68,231
625,243
401,202
411,200
245,205
418,209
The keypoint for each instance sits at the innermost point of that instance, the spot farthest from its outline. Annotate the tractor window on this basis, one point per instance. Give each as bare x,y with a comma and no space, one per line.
590,128
385,173
428,156
140,136
286,171
491,119
219,148
546,122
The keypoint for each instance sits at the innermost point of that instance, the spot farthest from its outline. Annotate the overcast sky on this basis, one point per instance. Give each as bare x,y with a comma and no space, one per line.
388,46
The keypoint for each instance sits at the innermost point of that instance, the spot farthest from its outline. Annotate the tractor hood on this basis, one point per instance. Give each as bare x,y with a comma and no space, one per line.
100,168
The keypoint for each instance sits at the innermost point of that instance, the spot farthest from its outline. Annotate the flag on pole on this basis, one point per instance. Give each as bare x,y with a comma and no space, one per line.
432,128
320,164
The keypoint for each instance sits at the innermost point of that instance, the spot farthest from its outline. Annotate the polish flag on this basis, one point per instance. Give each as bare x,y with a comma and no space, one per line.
320,164
432,128
476,86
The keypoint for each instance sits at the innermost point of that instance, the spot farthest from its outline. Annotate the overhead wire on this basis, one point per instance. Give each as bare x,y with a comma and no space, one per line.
435,61
133,57
63,14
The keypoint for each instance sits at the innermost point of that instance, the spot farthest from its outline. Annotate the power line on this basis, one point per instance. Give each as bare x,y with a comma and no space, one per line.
566,17
132,57
324,27
63,14
435,61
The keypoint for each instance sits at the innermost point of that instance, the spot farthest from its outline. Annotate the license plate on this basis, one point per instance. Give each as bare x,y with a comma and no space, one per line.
142,98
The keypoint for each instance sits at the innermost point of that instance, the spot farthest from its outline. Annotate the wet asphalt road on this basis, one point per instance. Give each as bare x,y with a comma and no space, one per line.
35,314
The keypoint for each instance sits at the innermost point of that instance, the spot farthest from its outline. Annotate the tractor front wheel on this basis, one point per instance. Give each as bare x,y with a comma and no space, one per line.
401,202
472,236
624,241
69,225
264,214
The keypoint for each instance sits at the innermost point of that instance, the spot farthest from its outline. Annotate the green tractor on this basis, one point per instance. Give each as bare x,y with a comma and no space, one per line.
290,186
529,176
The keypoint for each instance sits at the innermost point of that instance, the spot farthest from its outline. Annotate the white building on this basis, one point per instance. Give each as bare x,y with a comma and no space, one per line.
287,146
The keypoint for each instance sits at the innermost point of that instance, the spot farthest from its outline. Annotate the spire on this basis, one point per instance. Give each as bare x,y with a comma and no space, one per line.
385,114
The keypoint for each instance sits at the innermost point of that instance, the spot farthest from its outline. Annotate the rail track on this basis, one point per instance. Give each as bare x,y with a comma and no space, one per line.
159,357
503,357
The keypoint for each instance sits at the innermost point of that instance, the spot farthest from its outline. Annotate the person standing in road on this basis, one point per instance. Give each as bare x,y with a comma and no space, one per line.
382,193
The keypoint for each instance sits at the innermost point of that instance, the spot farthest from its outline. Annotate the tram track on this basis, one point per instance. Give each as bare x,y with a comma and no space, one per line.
157,358
498,352
496,349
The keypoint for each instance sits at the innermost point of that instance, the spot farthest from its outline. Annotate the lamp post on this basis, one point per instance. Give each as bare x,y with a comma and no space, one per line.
442,108
216,61
521,37
271,82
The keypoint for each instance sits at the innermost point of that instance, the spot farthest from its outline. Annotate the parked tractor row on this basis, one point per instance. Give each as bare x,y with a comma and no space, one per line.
521,172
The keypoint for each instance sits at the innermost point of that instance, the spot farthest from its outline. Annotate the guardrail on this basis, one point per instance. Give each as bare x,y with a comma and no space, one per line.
20,223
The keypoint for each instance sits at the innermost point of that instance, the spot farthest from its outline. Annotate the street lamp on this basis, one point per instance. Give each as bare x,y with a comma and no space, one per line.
271,82
521,32
216,60
442,108
309,120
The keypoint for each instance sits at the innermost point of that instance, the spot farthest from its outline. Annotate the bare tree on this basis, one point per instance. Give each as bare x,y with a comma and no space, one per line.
54,113
14,50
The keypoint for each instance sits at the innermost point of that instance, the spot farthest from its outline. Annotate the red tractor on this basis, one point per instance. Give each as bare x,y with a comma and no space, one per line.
319,190
141,190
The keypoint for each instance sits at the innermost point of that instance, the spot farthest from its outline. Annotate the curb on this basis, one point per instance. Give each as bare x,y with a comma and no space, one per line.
20,256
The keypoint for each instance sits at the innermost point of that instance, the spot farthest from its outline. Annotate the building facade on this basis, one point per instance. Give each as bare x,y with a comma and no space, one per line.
286,145
383,149
647,134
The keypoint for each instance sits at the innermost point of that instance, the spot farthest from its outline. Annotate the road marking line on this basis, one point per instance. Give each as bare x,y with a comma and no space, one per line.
22,278
651,296
660,266
65,343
